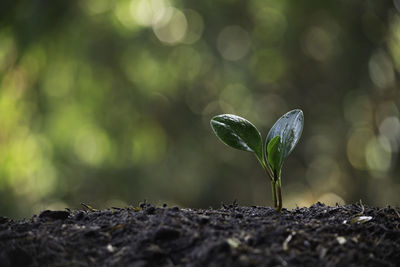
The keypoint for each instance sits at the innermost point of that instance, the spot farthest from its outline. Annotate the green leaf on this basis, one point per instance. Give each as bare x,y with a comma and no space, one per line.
275,154
238,133
289,128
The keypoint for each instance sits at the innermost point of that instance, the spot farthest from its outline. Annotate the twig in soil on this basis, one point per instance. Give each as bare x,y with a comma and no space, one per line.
90,208
379,240
285,245
283,262
362,208
398,214
233,205
143,204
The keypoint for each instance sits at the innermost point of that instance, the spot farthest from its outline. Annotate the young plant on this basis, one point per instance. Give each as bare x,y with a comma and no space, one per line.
241,134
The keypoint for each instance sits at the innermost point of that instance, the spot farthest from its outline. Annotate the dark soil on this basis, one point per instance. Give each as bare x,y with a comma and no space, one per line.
351,235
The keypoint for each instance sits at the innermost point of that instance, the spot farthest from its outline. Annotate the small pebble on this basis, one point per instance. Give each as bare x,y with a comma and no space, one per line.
175,208
150,210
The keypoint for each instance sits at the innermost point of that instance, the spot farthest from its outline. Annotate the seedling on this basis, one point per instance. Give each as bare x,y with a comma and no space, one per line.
241,134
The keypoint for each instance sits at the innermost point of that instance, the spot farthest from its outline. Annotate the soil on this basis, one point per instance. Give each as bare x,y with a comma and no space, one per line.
350,235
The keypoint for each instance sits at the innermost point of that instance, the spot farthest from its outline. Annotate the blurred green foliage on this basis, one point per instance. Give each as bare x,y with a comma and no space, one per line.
108,102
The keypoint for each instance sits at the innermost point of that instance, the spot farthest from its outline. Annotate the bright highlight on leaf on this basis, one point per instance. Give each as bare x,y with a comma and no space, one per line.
283,137
238,133
289,128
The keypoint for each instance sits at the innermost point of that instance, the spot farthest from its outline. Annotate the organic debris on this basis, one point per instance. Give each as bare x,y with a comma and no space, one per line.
230,236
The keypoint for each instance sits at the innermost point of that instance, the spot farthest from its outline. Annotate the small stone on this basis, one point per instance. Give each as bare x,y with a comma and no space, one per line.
165,233
244,259
233,242
204,219
150,210
110,248
175,208
4,220
55,215
79,216
341,240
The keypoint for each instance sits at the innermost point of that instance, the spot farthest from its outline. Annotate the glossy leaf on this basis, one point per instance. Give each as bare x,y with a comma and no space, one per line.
275,154
289,127
238,133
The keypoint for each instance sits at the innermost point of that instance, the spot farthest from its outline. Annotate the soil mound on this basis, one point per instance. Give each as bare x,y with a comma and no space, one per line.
350,235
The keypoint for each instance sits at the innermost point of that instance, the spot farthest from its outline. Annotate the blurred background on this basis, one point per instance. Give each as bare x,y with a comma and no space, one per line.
108,102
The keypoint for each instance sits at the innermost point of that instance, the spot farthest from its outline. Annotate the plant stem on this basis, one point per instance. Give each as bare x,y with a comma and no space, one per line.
269,173
273,185
279,208
264,165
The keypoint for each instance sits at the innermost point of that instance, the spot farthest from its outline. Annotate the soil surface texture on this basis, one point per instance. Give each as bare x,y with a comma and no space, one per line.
350,235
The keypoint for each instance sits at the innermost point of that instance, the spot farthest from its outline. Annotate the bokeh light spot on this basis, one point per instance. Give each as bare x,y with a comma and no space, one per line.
318,44
187,60
358,109
7,50
9,112
381,70
150,12
174,28
378,154
123,15
146,72
394,40
94,7
91,145
270,25
149,144
268,65
233,43
390,128
63,122
28,167
396,4
58,80
195,26
356,145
